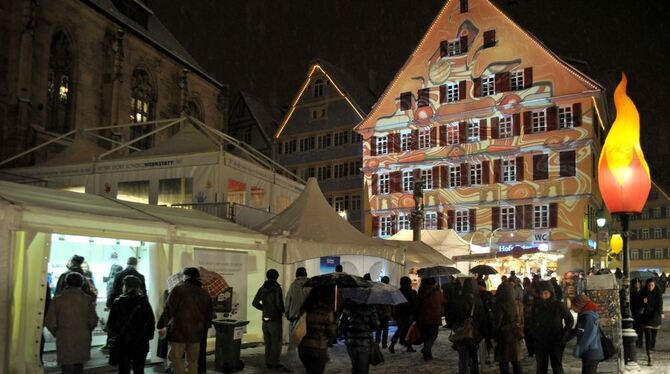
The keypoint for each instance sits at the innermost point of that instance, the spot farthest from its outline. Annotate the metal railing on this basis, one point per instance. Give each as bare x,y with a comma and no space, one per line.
221,210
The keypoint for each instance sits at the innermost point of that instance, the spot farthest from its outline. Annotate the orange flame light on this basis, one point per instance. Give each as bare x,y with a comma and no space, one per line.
623,173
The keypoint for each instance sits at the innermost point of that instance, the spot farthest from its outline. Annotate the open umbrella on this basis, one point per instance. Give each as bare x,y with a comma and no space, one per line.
213,282
642,275
174,280
437,271
483,269
341,280
379,293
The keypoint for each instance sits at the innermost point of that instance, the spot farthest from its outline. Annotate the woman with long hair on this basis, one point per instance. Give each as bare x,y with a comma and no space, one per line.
508,330
321,327
652,315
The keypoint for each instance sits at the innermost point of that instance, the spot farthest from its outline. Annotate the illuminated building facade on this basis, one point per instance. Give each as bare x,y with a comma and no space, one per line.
505,136
650,234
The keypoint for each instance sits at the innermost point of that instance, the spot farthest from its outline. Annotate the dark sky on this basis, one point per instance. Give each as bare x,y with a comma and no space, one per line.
265,46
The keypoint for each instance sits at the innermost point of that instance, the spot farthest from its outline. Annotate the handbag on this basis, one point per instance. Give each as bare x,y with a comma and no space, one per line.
512,329
466,332
376,356
300,330
609,349
113,341
414,335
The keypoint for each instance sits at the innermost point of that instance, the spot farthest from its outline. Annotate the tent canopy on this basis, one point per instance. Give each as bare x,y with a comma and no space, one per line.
310,228
447,242
187,140
421,254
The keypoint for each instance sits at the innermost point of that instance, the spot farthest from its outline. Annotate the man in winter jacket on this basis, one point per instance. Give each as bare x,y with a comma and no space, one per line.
70,319
270,301
295,298
550,325
429,309
74,266
117,285
187,315
357,322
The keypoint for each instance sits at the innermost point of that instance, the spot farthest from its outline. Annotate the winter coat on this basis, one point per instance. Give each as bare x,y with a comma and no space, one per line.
508,312
489,304
188,313
384,312
557,289
321,327
405,311
295,297
588,337
117,287
429,305
529,297
71,318
653,308
270,301
636,303
133,312
463,308
551,320
115,269
87,287
357,322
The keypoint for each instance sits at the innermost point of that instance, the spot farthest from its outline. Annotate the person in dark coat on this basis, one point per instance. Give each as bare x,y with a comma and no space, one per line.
507,329
384,313
404,314
652,315
557,289
117,285
187,316
488,301
636,308
321,327
469,304
357,322
269,299
663,282
588,346
550,327
131,324
74,266
529,296
71,319
429,309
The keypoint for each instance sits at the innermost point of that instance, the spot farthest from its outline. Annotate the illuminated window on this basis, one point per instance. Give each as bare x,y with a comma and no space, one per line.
318,88
488,85
424,138
462,221
452,133
427,178
507,218
541,216
473,132
430,221
565,117
454,47
385,226
403,222
59,85
505,127
405,141
516,80
382,145
452,92
141,108
539,121
454,176
384,184
408,181
475,173
509,170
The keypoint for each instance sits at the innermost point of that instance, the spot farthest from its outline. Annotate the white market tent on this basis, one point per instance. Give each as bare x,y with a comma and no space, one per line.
30,215
447,242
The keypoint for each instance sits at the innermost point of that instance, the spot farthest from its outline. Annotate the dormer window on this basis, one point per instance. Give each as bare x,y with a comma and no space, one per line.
136,10
318,88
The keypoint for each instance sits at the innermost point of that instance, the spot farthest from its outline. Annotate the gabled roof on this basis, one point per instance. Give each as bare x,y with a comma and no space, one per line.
262,113
188,140
359,97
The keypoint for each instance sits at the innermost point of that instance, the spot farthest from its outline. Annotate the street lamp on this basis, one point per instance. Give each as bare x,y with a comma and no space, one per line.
601,222
624,181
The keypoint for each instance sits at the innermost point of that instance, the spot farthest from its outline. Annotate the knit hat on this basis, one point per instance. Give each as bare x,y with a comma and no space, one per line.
582,302
76,260
131,281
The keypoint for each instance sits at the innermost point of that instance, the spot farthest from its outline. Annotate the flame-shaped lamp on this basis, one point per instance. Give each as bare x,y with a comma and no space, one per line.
623,173
616,244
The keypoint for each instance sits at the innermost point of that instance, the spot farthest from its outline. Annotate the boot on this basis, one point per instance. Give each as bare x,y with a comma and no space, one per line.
649,358
392,347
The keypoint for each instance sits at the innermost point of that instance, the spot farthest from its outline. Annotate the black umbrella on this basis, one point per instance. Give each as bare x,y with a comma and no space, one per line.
642,275
437,271
483,269
341,280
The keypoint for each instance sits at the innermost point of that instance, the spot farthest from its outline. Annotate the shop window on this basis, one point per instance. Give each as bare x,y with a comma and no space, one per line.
405,141
430,221
59,84
427,178
384,184
382,145
175,191
541,216
507,221
385,227
476,173
408,181
462,221
141,107
454,176
136,192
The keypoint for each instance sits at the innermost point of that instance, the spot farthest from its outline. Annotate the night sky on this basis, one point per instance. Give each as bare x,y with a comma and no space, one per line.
265,47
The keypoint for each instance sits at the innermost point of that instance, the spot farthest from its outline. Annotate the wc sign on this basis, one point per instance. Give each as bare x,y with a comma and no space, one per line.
540,236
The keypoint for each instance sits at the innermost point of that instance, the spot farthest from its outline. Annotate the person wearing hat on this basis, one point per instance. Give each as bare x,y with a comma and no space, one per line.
75,266
588,346
71,319
550,325
187,316
117,287
130,327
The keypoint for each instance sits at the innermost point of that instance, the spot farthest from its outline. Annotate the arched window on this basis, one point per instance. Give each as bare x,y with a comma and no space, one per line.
193,110
59,85
141,107
318,88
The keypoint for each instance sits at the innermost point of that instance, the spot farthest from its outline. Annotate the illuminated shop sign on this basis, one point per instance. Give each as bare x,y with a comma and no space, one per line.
505,248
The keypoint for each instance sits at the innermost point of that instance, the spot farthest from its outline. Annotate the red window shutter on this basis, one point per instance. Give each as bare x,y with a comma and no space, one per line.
495,129
496,171
489,38
516,124
495,217
567,162
440,220
577,115
375,184
463,132
396,142
462,90
437,183
527,77
486,171
444,176
552,118
395,178
406,101
443,135
415,140
553,215
375,226
424,98
528,216
520,166
443,94
477,82
433,136
518,217
464,43
465,174
483,129
527,123
502,82
373,146
451,219
444,47
540,167
472,218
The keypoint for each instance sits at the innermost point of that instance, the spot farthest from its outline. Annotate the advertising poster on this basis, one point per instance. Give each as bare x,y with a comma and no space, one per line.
232,265
328,264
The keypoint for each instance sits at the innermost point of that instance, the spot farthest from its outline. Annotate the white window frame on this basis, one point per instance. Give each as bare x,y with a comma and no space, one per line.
516,80
657,212
424,138
408,180
427,178
644,235
454,176
430,221
476,174
356,203
539,121
452,93
505,127
462,223
488,85
318,88
658,253
473,132
509,170
634,254
658,233
565,118
339,203
541,216
508,218
384,184
454,47
403,222
452,134
382,145
646,254
385,226
405,141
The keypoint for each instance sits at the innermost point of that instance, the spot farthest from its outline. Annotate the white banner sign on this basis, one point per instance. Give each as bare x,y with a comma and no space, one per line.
232,265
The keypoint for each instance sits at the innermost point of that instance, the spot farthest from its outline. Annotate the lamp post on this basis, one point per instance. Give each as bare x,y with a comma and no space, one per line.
416,216
624,182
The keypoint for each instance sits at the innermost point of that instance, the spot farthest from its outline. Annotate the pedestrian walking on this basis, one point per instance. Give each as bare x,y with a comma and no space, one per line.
550,324
637,307
529,296
488,301
269,300
71,319
508,330
403,314
131,327
663,282
295,297
74,266
357,323
588,346
652,316
321,327
384,313
117,284
187,315
429,309
469,306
